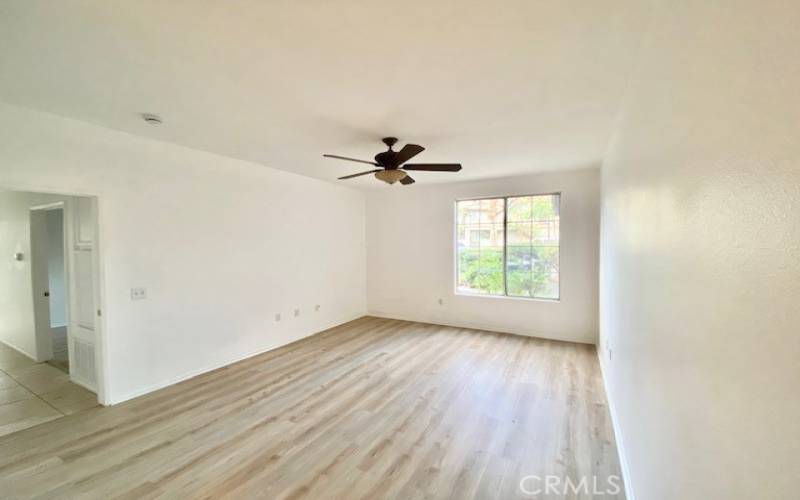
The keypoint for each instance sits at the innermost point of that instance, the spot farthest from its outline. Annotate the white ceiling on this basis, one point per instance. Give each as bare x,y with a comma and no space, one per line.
504,87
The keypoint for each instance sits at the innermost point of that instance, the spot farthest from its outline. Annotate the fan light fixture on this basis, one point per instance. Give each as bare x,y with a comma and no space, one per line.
390,176
392,167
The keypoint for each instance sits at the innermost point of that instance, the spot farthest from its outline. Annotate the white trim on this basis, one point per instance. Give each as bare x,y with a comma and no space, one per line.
216,366
57,205
102,370
19,350
479,326
504,297
623,457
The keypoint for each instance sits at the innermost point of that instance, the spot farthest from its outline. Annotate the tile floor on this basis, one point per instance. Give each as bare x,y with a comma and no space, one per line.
32,393
60,353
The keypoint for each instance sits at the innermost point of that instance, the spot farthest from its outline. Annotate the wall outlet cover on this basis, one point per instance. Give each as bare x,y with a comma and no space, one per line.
138,293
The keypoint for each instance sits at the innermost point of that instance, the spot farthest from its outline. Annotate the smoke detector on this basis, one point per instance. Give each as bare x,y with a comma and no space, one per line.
151,118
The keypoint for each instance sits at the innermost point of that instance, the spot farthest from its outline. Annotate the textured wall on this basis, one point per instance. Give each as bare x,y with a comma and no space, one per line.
700,255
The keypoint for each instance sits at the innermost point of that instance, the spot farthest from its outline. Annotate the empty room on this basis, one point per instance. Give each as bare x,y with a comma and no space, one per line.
525,249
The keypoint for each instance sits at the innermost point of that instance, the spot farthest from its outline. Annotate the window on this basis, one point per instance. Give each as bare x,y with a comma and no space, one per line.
508,246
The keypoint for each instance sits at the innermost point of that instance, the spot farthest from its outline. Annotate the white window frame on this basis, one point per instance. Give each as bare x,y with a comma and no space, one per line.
504,295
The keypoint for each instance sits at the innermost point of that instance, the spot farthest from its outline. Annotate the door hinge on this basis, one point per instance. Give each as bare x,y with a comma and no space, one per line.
99,313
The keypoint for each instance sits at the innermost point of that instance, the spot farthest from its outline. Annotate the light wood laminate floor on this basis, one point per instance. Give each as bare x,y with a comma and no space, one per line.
375,408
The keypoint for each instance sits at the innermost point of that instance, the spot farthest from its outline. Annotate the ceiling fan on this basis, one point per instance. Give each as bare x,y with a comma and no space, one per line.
392,164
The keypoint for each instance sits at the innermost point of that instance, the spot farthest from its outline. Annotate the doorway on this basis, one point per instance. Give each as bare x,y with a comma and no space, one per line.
64,282
50,307
49,278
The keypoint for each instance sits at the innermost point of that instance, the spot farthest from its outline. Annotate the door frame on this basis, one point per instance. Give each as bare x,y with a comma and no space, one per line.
44,340
101,320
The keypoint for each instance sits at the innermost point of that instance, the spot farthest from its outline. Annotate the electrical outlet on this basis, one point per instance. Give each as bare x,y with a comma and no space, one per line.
296,313
316,308
138,293
278,317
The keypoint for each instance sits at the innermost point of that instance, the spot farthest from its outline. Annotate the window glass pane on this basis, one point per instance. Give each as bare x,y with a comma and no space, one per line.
519,233
481,270
491,235
544,276
518,271
545,206
469,236
520,208
545,232
492,211
469,212
468,267
490,275
481,239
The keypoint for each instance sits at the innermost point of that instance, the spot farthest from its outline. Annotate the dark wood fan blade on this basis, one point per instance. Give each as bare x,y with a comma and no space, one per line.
360,173
434,167
409,151
351,159
407,180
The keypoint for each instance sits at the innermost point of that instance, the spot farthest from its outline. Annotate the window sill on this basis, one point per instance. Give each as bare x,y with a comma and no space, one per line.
506,297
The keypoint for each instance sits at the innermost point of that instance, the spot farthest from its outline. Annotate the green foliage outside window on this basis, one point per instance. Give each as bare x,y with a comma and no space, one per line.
527,229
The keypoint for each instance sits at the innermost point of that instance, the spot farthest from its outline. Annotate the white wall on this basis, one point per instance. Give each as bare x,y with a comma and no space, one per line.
410,257
55,267
221,246
700,250
17,327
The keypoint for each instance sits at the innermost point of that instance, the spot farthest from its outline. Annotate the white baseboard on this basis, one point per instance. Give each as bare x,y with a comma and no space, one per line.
20,350
623,457
477,326
113,400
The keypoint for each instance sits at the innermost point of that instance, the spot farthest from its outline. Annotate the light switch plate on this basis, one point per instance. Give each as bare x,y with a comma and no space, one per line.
138,293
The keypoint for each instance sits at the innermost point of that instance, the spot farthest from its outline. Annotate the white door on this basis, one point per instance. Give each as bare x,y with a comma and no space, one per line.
82,318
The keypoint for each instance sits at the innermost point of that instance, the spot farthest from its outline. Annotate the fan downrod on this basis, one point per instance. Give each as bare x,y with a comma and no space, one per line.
389,141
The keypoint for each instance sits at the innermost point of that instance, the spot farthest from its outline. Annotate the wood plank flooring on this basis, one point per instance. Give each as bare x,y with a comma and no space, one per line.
374,408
